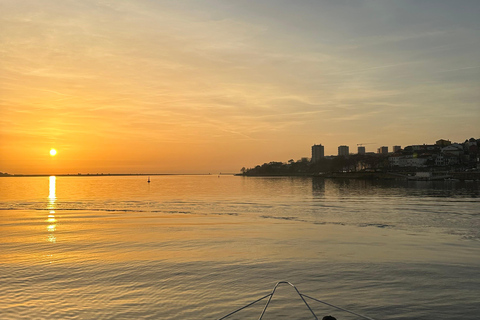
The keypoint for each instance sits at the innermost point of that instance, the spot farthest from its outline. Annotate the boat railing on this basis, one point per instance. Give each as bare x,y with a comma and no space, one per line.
301,295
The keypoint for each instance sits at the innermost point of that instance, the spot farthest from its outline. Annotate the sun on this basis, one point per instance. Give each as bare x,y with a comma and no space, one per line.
53,152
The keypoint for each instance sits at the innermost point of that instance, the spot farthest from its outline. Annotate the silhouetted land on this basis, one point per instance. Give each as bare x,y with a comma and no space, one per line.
418,162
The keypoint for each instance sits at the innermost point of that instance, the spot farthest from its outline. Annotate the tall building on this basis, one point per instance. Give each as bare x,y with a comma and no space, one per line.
343,151
361,150
318,152
382,150
397,148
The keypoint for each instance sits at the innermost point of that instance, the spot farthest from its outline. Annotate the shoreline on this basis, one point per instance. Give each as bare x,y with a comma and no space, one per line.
461,176
453,176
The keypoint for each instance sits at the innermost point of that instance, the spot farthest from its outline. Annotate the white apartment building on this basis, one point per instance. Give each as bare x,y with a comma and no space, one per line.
408,161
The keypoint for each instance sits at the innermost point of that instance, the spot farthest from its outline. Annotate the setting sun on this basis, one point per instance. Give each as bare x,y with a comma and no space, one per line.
53,152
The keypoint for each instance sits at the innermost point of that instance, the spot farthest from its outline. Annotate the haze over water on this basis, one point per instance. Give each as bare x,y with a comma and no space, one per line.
198,247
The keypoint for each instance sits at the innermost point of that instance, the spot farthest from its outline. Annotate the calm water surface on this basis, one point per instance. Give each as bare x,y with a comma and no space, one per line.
198,247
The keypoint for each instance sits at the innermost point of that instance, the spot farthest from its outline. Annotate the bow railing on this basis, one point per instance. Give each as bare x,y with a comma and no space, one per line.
301,295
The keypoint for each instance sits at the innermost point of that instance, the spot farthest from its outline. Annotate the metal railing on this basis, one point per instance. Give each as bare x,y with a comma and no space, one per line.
301,295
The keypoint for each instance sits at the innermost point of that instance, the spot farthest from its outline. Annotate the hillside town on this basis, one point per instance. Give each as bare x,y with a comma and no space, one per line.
441,160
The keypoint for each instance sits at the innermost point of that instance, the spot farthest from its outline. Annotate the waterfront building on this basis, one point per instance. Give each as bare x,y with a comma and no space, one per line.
343,151
382,150
318,152
454,149
445,160
443,143
408,161
425,147
394,161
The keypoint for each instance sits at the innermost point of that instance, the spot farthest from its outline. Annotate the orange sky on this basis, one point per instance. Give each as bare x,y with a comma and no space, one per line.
198,87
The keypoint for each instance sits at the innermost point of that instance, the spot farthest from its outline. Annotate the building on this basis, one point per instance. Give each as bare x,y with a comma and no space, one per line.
318,152
397,149
453,149
408,161
443,143
361,150
425,147
395,160
343,151
382,150
442,160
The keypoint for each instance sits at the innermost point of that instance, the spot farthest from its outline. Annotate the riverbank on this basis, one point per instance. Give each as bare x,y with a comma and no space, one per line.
463,176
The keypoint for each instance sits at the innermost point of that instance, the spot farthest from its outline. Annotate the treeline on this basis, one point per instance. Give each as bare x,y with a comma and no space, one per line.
325,165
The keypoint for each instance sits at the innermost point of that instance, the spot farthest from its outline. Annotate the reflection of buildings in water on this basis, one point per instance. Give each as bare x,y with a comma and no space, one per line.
51,220
318,185
352,183
325,187
335,187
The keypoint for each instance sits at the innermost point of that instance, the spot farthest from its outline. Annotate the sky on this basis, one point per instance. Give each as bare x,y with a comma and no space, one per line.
190,86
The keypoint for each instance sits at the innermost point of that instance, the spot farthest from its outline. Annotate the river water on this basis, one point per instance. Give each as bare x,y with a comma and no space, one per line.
199,247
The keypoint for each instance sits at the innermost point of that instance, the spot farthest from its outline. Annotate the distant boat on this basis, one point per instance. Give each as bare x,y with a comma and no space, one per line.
148,180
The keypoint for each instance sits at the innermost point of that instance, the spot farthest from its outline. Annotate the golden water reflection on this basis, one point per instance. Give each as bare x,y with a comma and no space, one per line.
51,220
52,238
51,217
51,227
52,197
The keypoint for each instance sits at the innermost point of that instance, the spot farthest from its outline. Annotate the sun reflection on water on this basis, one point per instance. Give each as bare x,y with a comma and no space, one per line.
52,197
51,217
51,220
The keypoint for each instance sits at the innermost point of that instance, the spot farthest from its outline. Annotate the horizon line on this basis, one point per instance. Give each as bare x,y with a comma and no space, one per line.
112,174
